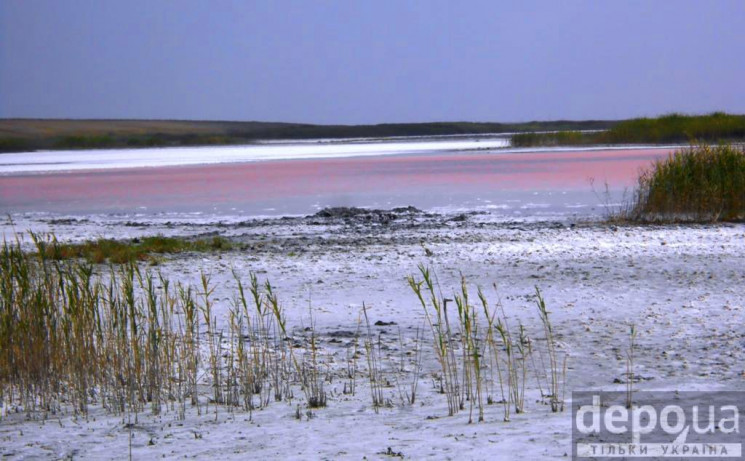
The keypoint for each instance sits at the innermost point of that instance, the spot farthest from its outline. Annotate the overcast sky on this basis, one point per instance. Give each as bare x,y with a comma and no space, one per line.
370,61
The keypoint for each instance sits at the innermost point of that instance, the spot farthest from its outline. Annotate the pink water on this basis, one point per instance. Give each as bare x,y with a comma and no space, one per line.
457,180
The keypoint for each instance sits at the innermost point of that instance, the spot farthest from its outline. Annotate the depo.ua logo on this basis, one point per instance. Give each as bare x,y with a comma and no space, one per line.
681,425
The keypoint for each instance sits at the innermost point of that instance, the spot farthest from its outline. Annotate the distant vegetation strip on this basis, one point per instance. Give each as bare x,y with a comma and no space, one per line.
17,135
26,135
672,128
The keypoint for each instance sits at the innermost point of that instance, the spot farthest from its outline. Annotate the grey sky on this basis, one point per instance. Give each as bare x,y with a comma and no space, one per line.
369,61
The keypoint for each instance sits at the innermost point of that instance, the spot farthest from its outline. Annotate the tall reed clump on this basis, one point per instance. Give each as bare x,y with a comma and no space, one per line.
471,348
68,335
74,334
700,183
480,343
435,312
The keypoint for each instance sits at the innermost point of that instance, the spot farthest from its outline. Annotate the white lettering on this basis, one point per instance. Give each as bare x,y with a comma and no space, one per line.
710,425
735,420
680,417
616,414
637,428
594,412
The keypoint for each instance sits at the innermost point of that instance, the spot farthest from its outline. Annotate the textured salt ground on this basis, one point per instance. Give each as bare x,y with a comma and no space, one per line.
680,286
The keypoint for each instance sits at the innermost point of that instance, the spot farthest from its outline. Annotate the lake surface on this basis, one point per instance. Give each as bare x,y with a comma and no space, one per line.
432,175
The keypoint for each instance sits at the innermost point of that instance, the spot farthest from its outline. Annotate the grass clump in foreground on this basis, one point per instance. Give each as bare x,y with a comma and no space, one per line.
119,252
74,335
700,183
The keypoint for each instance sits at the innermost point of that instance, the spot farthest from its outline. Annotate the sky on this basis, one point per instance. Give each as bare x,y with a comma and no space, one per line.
375,61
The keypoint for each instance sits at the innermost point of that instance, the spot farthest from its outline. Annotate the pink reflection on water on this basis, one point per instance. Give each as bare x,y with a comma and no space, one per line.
249,182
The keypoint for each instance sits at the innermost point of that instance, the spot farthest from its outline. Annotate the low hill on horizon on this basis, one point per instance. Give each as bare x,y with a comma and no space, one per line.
32,134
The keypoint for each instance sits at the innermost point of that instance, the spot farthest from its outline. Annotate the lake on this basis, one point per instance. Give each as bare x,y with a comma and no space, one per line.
300,178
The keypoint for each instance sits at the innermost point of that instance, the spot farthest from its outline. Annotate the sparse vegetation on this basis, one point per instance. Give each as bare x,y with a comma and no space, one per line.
374,372
630,366
557,367
118,252
481,350
75,334
435,313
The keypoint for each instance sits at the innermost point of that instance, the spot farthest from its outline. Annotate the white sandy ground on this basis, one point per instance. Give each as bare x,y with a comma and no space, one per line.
680,285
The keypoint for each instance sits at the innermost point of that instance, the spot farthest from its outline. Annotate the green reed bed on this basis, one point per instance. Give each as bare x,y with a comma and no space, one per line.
559,138
118,252
700,183
671,128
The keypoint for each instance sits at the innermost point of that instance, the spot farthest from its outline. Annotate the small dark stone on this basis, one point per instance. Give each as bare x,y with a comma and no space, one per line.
381,323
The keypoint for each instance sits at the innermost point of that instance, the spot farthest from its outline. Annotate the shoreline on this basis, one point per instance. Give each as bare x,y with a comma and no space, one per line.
31,134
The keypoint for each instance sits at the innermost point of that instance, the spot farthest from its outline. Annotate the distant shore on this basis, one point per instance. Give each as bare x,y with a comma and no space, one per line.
21,135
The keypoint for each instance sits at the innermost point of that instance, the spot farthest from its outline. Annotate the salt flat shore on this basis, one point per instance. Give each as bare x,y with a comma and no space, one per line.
680,285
